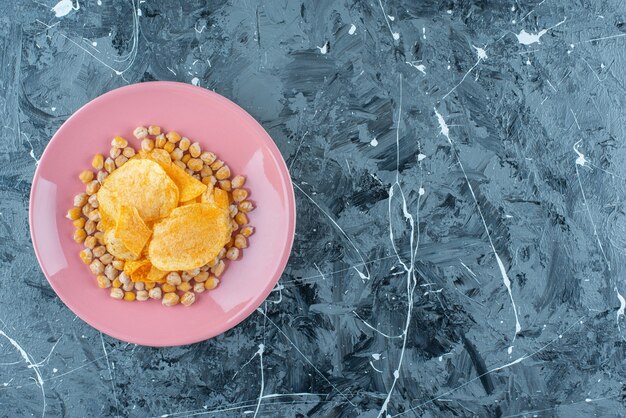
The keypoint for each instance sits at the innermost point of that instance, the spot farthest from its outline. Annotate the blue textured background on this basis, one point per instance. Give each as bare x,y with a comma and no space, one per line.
459,173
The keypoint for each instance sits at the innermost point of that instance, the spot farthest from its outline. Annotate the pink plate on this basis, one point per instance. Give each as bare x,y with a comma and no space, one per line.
219,125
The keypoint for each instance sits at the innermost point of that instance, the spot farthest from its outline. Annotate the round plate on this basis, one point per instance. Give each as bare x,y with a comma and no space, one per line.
218,125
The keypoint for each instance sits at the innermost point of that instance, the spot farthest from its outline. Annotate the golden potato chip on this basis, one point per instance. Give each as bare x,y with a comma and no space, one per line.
116,247
143,271
188,186
131,230
156,275
106,206
142,184
190,237
131,266
216,197
160,156
141,274
138,270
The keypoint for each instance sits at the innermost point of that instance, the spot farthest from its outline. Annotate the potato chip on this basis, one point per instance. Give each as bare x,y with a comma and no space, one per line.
156,275
116,247
142,184
188,186
216,197
106,206
131,267
160,156
141,274
143,271
190,237
131,230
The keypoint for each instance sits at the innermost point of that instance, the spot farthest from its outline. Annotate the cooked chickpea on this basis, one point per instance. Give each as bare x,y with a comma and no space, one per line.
225,185
246,206
239,195
188,298
101,176
98,161
110,272
100,237
155,293
96,267
99,251
129,152
206,171
109,164
208,157
147,144
184,143
194,164
90,242
184,287
195,150
86,176
177,154
86,256
211,283
73,213
86,210
103,282
232,253
217,165
169,147
241,241
170,299
173,136
106,259
94,215
93,187
160,141
119,142
173,278
223,173
238,181
93,201
140,132
120,160
115,152
124,279
201,277
168,288
80,199
219,269
79,235
241,218
117,293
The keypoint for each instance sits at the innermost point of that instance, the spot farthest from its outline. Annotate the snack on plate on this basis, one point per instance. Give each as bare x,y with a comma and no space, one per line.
160,222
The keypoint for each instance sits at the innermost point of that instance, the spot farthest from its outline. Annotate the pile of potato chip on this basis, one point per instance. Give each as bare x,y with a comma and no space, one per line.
158,223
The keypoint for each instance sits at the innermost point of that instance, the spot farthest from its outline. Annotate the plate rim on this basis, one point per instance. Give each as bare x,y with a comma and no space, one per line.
282,168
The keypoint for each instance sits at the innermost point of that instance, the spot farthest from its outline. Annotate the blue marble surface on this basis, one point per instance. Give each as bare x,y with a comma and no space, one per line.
459,176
